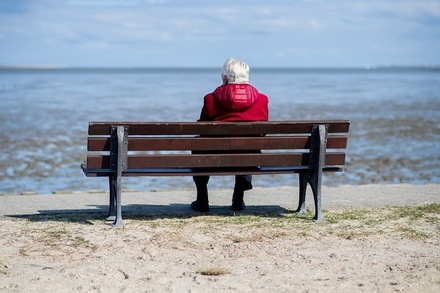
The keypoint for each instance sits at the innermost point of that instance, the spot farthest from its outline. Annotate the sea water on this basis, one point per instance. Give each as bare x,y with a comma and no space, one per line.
44,114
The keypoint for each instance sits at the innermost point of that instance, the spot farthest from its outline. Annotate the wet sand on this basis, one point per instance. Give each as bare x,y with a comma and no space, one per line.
393,136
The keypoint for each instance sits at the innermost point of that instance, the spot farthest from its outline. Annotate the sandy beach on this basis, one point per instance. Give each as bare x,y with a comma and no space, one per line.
375,238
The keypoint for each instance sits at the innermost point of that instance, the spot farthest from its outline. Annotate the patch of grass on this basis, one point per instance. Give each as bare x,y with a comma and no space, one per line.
214,271
60,236
430,211
374,221
305,216
374,217
353,233
412,222
413,233
349,215
241,220
56,235
79,241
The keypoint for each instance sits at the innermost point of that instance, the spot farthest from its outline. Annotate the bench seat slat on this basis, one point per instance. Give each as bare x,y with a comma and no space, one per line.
210,128
225,143
213,160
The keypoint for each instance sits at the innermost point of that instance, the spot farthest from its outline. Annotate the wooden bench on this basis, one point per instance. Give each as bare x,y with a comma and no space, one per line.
117,149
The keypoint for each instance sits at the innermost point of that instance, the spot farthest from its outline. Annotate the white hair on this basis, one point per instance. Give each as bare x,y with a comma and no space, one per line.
236,71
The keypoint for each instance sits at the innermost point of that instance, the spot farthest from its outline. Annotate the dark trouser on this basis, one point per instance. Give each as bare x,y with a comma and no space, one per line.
242,183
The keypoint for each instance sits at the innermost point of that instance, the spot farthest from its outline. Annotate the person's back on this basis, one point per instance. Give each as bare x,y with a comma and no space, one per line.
234,100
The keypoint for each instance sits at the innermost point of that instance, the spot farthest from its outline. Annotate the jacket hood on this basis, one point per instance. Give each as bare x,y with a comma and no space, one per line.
236,97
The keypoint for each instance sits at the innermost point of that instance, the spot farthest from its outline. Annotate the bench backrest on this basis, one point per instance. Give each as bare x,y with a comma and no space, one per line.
215,144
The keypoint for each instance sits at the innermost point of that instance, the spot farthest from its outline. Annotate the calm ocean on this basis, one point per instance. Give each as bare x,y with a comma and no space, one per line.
394,137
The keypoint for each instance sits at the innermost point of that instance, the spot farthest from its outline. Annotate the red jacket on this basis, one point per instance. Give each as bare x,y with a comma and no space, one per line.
235,102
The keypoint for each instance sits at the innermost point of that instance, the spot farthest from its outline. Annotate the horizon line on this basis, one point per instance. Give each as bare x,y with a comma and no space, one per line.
365,67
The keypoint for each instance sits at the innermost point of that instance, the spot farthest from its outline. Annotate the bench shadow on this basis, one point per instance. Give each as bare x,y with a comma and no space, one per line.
150,212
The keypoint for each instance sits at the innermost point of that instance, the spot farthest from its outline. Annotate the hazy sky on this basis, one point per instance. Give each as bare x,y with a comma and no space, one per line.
203,33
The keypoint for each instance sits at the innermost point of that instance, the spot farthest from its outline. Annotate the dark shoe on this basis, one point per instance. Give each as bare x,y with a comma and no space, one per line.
238,205
200,206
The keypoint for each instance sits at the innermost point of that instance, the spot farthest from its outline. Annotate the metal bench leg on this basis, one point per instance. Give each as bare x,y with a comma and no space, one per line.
119,151
302,193
317,162
315,183
319,138
112,203
118,220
